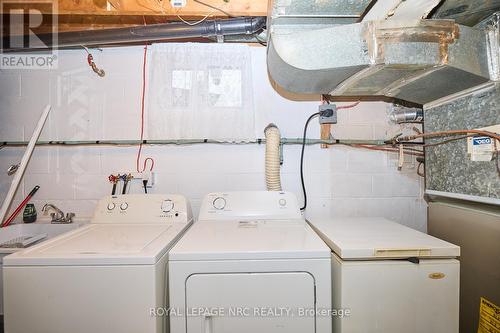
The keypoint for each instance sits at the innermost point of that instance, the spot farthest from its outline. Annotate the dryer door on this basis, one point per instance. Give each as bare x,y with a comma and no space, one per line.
251,302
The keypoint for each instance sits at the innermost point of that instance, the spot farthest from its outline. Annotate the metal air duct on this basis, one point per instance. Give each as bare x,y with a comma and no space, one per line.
413,60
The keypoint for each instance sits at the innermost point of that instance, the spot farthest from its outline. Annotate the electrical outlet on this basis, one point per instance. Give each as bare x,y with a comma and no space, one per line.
328,114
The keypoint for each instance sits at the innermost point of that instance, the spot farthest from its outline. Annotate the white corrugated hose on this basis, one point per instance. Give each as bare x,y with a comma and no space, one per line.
273,139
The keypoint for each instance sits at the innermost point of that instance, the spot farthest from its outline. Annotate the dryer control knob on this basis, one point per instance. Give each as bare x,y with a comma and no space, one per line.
111,206
124,206
219,203
167,205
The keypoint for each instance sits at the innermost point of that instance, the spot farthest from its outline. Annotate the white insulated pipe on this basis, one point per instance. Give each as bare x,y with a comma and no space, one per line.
273,140
24,163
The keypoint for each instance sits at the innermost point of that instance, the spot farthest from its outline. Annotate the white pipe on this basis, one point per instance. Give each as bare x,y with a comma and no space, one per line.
273,178
24,163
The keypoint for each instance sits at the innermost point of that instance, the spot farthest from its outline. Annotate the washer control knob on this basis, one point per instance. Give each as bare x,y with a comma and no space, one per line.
111,206
282,202
167,205
219,203
124,206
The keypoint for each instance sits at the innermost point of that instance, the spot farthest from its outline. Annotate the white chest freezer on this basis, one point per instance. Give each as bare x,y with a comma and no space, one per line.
388,278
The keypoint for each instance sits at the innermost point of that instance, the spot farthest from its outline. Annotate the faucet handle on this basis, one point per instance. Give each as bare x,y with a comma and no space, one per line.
69,217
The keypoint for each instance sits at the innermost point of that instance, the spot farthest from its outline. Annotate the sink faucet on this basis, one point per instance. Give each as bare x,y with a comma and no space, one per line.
58,216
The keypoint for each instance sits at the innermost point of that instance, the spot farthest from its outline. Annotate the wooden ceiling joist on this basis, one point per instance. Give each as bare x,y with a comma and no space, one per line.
75,15
193,8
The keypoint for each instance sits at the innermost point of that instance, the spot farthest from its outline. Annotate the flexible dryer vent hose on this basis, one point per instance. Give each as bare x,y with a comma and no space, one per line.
273,138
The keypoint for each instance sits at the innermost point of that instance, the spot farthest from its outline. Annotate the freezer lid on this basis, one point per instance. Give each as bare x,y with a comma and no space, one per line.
249,240
379,238
102,244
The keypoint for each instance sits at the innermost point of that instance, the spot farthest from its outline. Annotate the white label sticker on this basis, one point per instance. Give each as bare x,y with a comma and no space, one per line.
482,148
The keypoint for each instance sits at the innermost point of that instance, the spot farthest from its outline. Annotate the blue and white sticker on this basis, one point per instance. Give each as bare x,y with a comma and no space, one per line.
481,148
482,140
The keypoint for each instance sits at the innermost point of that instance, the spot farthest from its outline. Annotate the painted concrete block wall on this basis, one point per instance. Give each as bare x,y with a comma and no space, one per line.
341,181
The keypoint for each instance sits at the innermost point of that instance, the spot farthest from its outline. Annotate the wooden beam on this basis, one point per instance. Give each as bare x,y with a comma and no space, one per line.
326,130
194,8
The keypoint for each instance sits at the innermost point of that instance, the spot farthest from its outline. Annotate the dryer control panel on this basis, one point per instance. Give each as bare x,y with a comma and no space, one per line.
143,209
257,205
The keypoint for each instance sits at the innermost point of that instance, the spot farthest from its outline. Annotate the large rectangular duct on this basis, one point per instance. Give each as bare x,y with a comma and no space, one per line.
418,61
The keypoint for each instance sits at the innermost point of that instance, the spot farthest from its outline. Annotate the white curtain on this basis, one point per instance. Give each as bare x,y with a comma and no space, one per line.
200,91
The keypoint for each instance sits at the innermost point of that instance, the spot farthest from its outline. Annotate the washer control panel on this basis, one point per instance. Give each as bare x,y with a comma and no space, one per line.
143,209
252,204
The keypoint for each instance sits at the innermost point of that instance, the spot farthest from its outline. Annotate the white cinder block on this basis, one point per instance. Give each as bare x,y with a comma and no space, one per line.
11,125
318,184
119,160
396,185
9,156
88,187
400,210
367,161
351,185
10,84
52,186
316,160
339,156
165,183
40,159
197,185
319,208
75,160
246,182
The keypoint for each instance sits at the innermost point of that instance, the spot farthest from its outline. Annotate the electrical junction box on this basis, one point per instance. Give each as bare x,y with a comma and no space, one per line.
329,114
482,148
178,3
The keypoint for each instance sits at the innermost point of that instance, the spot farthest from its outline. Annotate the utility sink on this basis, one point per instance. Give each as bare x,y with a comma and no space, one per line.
16,237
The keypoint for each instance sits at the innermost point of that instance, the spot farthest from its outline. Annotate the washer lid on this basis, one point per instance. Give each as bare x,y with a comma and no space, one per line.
102,244
378,238
249,239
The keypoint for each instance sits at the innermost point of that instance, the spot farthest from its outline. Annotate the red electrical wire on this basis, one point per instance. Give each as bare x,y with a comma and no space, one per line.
348,106
142,118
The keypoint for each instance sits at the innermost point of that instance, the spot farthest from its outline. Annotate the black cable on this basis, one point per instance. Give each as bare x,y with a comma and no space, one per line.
302,158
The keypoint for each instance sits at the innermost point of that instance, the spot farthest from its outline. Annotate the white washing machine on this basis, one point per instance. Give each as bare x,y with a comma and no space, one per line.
389,278
250,264
102,278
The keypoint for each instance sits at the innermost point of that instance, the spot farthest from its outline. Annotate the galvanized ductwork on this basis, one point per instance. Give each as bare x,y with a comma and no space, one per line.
418,61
